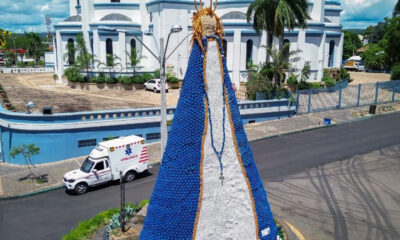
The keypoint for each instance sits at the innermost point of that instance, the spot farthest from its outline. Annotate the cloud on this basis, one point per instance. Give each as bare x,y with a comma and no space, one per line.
363,13
28,15
45,8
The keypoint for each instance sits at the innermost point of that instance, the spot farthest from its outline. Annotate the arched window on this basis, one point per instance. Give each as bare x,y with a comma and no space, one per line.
249,53
71,51
225,47
286,44
133,44
109,47
331,53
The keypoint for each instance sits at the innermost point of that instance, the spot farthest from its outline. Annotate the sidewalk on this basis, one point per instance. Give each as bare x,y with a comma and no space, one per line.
12,181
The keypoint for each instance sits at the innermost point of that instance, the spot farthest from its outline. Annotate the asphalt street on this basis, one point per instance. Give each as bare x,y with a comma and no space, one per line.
50,215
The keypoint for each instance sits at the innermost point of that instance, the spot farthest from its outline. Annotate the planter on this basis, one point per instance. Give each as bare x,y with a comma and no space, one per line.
292,87
100,85
127,87
72,84
138,86
173,85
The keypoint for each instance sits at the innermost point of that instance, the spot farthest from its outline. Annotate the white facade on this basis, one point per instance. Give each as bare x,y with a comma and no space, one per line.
118,23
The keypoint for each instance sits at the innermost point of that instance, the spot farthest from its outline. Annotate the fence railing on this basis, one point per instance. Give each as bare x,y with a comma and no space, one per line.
339,97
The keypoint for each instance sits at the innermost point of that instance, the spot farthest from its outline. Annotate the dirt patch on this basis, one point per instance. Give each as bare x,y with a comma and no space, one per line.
44,92
366,77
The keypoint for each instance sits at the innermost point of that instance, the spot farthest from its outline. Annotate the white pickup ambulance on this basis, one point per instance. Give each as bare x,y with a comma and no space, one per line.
125,154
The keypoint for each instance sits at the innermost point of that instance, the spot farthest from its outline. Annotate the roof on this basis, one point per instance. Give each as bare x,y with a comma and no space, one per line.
76,18
355,58
116,17
122,141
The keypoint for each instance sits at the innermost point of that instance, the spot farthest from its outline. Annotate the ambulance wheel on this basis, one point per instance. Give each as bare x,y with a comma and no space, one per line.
81,188
130,176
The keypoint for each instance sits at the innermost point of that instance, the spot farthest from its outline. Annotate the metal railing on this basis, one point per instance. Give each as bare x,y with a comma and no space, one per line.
339,97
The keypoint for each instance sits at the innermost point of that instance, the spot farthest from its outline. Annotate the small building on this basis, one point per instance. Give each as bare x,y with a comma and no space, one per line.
115,26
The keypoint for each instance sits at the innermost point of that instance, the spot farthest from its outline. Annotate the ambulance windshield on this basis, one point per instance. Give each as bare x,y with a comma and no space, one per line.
87,166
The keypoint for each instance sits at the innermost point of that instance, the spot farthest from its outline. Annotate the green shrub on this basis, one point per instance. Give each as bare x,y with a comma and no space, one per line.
292,79
31,64
55,76
101,78
86,228
147,76
93,79
157,73
329,82
395,72
138,79
173,80
73,74
8,64
21,64
41,63
126,80
111,80
305,85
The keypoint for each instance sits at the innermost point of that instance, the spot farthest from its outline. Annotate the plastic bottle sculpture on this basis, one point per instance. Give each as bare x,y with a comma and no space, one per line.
208,186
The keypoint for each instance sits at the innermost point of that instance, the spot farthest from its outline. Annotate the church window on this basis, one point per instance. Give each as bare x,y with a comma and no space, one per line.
71,51
249,53
286,50
331,53
225,47
109,47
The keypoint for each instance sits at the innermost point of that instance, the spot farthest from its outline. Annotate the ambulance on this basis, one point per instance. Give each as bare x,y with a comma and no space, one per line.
126,155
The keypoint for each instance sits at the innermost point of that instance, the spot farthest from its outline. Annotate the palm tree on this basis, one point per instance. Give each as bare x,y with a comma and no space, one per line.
274,15
84,58
134,59
397,9
112,61
282,60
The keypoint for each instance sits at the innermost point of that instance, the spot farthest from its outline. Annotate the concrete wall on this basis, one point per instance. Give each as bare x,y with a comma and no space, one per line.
58,135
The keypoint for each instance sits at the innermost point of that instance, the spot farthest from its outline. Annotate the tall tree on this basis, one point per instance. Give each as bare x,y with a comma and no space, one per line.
112,61
351,43
281,63
392,41
84,58
35,46
396,10
134,59
274,16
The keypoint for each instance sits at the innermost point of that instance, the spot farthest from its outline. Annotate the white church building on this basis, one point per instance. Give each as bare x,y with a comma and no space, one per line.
113,27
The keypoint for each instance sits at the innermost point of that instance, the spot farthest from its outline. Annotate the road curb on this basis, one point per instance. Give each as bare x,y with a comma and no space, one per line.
33,193
250,140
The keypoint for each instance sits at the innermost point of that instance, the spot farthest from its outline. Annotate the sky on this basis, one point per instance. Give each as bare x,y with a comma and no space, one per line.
29,15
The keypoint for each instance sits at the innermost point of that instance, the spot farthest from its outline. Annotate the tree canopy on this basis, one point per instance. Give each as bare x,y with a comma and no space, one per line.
351,44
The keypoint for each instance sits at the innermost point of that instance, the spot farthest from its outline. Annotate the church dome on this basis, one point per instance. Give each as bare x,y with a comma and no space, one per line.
116,17
76,18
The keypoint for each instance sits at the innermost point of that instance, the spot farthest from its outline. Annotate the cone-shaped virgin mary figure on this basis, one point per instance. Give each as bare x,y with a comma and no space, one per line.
208,186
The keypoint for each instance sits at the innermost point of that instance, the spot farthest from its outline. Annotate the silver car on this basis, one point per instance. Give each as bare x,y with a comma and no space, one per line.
154,85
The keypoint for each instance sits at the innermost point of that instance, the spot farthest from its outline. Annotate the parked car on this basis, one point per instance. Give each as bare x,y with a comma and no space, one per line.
154,85
126,155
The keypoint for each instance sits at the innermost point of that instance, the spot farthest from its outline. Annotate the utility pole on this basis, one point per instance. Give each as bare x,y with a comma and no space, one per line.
123,212
163,99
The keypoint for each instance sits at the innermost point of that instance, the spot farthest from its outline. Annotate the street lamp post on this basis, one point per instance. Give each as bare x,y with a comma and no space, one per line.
161,59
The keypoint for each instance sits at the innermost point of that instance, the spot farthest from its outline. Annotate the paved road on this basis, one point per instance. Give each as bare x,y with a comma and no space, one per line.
50,215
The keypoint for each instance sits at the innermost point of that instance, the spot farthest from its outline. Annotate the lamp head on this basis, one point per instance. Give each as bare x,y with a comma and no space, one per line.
30,105
176,28
148,33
